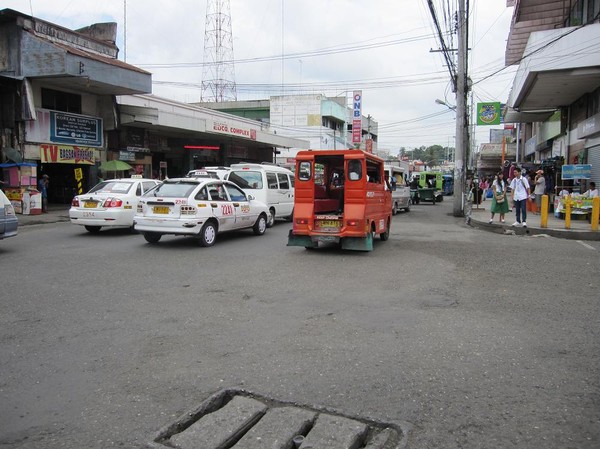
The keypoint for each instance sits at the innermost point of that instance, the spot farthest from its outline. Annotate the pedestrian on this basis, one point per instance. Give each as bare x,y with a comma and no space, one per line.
519,194
540,189
511,171
499,201
43,188
592,192
484,184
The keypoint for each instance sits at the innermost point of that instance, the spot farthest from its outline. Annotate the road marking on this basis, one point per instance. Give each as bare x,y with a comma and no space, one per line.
586,245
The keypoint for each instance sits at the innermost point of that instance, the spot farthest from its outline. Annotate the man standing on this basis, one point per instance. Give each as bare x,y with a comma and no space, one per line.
540,189
519,194
43,188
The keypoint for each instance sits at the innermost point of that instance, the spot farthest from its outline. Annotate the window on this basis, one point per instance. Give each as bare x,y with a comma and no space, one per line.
61,101
217,192
283,181
247,179
202,195
138,190
112,187
354,170
148,185
234,193
177,189
304,172
272,181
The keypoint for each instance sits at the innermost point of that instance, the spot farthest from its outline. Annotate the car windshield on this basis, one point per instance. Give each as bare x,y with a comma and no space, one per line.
178,189
247,179
112,187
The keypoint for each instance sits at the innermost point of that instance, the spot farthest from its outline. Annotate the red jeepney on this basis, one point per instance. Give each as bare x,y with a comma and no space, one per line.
340,197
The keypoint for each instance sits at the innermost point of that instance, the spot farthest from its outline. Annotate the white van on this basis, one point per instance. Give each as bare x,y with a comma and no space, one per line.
271,184
396,179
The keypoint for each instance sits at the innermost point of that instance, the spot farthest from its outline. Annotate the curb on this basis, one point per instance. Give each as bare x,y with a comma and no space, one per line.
557,233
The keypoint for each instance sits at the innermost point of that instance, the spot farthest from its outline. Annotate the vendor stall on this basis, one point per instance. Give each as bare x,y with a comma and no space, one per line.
20,187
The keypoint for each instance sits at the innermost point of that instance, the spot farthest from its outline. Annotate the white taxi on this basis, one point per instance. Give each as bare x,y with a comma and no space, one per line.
111,203
198,207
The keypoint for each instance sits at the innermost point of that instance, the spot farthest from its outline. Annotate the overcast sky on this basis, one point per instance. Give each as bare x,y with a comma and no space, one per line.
323,43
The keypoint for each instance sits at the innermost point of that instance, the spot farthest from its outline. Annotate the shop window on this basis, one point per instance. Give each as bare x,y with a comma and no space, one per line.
61,101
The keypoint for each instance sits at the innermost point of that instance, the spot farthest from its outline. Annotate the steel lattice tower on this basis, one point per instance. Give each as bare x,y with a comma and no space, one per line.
218,73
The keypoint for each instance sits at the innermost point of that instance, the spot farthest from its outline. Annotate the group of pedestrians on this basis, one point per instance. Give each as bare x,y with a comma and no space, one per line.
519,194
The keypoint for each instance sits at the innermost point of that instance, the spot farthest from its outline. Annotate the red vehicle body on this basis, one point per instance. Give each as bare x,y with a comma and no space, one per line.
340,197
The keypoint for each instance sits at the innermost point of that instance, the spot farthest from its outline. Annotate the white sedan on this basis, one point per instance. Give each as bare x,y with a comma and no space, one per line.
111,203
198,207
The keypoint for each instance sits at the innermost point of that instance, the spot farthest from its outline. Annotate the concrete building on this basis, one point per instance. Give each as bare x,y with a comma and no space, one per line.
67,104
555,96
325,122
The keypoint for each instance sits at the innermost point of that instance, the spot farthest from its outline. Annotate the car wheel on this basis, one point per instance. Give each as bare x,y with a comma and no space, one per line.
394,209
93,229
271,218
260,226
208,234
152,237
407,208
291,216
385,235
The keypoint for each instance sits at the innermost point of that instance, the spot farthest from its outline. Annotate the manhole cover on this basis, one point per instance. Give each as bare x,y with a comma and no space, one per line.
239,419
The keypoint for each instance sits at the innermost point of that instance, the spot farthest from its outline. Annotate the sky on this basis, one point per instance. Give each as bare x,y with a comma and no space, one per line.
331,47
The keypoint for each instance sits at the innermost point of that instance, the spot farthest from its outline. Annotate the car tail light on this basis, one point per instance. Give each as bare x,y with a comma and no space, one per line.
188,210
302,221
75,202
112,202
9,210
352,223
140,209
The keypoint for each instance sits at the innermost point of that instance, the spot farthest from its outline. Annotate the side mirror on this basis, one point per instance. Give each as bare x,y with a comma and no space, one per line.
251,197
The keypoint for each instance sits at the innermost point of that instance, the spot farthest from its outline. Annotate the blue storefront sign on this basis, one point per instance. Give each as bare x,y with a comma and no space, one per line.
577,171
75,129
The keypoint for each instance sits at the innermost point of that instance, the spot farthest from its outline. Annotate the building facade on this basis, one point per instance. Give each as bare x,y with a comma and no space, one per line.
555,96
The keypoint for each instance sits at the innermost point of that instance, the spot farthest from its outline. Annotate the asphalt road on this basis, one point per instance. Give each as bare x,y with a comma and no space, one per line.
471,339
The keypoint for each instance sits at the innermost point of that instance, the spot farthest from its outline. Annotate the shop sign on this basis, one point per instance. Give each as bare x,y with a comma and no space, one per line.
138,149
223,127
75,129
357,116
66,154
369,145
489,113
589,127
577,171
127,156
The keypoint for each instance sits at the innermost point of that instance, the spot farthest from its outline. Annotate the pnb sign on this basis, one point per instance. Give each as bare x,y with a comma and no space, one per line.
357,116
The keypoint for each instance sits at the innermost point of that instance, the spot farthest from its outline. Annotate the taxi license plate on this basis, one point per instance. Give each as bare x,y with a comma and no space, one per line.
328,224
160,210
90,204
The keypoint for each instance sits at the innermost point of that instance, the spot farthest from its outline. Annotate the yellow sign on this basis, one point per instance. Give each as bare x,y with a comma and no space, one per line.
78,174
66,154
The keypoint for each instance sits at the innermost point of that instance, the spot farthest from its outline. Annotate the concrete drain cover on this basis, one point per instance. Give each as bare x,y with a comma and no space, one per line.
239,419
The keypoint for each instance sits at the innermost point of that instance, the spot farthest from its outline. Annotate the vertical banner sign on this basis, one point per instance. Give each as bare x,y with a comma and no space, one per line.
357,116
78,178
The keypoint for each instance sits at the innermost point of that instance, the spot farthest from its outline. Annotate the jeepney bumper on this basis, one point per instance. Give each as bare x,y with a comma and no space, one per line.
349,243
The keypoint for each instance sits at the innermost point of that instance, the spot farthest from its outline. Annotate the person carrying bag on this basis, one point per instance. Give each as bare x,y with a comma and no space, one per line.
499,203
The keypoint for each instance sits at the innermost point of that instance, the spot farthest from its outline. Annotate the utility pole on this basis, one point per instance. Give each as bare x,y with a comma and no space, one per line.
462,130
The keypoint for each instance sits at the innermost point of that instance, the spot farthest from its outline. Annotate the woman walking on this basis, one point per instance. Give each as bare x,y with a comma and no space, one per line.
499,201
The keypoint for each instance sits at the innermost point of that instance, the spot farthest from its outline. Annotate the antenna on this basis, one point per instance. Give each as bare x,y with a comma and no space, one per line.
218,74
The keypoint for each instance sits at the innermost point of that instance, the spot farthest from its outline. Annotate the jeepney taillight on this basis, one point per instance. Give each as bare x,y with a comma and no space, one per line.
352,223
302,221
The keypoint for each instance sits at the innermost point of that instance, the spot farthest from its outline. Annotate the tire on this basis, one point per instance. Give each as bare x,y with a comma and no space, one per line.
93,229
291,216
208,234
260,226
385,235
395,208
152,237
407,208
271,218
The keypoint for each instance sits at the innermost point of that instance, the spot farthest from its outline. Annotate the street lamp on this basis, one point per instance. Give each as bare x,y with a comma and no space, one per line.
443,103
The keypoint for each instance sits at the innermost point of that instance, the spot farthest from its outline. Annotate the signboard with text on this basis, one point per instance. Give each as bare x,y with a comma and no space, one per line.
577,171
489,113
225,127
357,116
66,154
75,129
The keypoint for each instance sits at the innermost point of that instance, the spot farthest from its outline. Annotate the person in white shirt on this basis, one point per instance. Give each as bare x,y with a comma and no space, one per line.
519,194
540,189
564,192
592,192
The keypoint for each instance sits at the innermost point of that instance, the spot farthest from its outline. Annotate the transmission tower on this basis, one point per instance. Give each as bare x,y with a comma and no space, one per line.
218,73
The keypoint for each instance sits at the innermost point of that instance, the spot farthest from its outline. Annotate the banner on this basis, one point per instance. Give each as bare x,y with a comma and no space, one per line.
66,154
489,113
357,116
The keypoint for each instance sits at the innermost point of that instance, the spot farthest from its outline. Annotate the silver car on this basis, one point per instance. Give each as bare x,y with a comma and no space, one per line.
9,223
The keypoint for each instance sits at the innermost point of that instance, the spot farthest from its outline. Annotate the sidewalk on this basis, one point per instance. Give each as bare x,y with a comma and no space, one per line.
580,229
56,213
